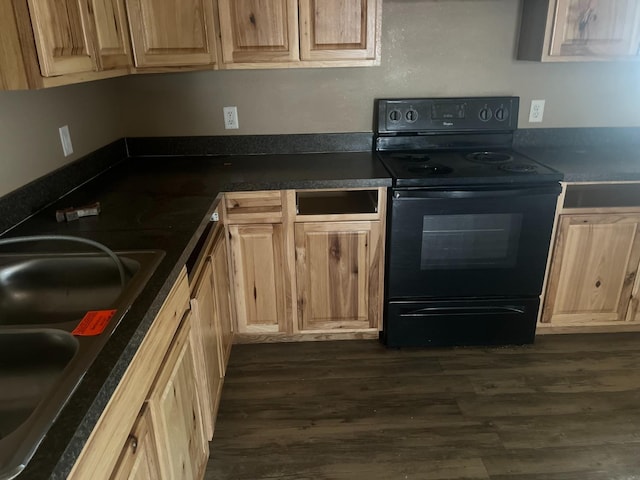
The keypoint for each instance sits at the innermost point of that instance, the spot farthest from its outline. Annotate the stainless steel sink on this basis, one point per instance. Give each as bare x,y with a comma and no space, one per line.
45,289
43,297
31,362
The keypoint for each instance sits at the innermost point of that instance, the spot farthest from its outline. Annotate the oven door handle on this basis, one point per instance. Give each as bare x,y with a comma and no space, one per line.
477,310
477,192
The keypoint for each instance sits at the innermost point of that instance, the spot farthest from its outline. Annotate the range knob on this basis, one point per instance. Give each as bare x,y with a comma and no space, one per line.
485,114
411,115
501,114
395,115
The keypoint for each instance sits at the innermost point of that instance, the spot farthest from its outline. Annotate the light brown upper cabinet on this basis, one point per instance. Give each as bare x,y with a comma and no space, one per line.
112,46
48,43
579,30
63,36
172,33
305,33
259,31
338,29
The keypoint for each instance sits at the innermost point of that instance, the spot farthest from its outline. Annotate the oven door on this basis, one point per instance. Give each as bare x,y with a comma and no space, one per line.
469,241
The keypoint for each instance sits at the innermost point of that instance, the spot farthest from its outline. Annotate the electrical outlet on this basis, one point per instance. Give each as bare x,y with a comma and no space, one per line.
230,118
537,111
65,139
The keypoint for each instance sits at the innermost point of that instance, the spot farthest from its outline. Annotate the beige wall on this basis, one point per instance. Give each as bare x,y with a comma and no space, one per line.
29,121
430,48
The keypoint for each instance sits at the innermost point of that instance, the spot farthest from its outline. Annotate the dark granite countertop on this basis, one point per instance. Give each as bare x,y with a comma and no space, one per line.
604,154
163,203
592,163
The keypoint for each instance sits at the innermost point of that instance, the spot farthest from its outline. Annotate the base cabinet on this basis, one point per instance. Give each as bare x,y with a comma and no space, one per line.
593,276
258,263
139,459
207,345
175,412
337,274
152,426
307,264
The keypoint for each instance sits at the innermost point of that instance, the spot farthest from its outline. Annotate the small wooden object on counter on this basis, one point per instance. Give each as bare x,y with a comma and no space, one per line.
579,30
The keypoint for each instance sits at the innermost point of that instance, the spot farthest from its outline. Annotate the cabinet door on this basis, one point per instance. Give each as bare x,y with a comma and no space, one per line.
207,346
338,266
255,31
172,33
175,412
139,458
599,28
258,277
593,269
338,29
63,36
112,45
222,292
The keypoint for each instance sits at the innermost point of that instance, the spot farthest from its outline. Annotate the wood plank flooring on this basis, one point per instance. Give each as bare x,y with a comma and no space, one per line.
565,408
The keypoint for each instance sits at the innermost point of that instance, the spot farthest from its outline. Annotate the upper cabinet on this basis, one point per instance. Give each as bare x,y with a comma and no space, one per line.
172,33
63,36
259,31
45,43
579,30
112,46
305,33
339,29
48,43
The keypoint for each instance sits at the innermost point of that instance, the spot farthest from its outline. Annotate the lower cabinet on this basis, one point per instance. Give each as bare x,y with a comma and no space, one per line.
139,459
337,274
208,347
222,292
258,274
594,270
152,427
307,264
176,417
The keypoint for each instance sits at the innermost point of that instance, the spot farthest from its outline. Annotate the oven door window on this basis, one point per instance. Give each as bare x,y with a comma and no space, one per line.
470,241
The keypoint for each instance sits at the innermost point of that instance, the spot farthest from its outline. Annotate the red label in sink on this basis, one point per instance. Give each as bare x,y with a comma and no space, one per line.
94,323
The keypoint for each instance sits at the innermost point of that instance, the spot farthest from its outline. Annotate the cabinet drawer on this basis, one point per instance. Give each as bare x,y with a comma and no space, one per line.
253,207
339,205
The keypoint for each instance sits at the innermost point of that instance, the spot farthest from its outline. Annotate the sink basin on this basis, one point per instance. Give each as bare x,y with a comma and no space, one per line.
46,289
43,297
30,364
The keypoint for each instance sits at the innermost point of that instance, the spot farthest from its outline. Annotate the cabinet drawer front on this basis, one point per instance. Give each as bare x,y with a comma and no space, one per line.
254,207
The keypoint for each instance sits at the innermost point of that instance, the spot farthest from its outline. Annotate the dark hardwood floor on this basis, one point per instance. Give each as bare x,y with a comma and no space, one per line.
565,408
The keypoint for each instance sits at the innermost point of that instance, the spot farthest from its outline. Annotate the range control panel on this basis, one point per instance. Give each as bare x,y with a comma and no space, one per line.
440,115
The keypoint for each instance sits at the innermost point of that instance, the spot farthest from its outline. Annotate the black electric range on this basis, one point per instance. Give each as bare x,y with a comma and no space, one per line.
470,222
